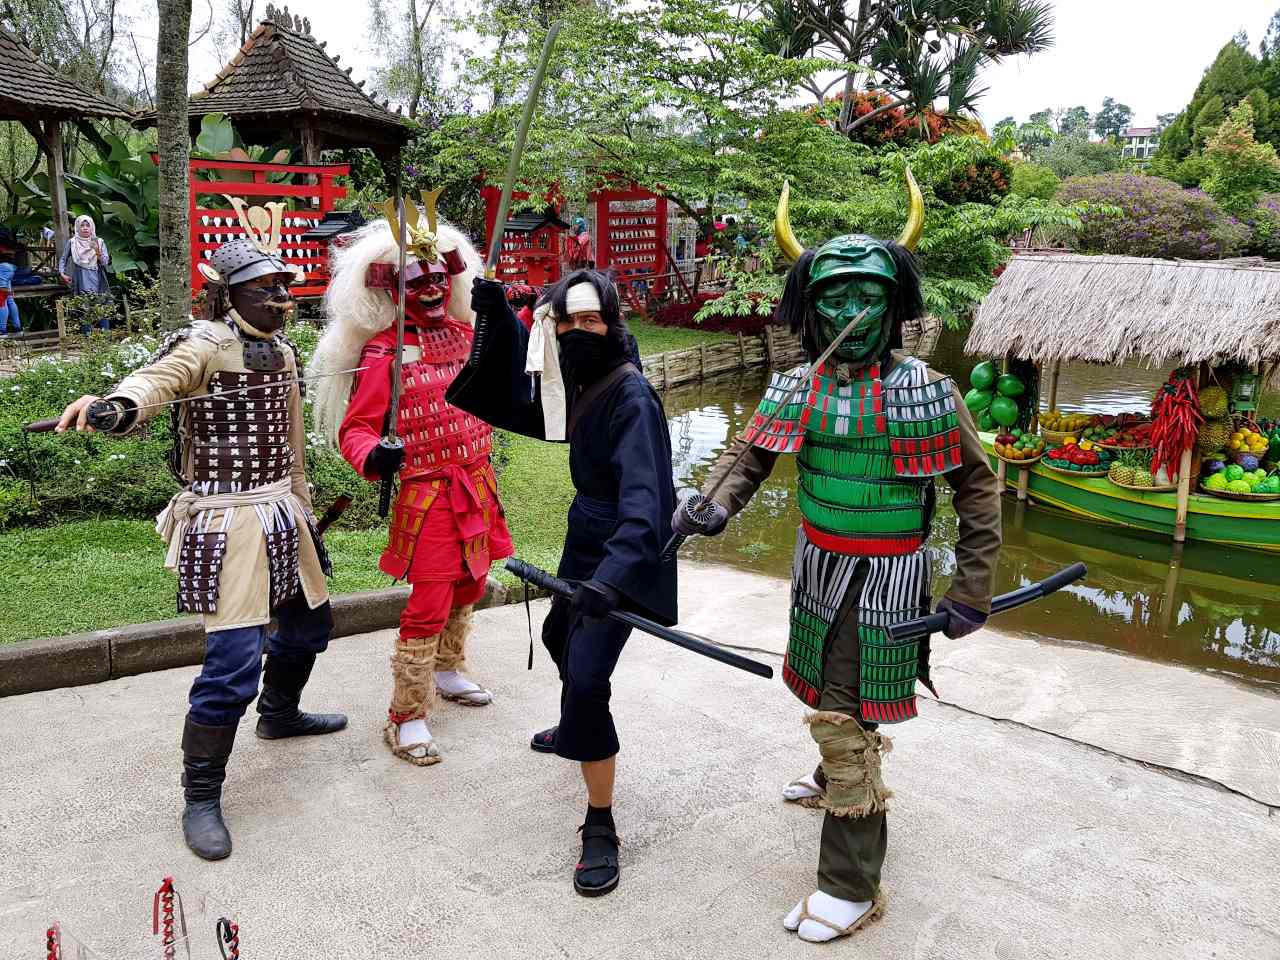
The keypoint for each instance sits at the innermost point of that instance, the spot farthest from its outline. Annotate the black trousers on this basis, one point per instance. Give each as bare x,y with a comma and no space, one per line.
585,652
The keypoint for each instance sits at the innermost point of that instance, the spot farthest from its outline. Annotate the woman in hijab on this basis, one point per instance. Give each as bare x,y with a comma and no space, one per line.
83,265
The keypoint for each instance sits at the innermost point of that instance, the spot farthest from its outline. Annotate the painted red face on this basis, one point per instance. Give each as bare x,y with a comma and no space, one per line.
426,294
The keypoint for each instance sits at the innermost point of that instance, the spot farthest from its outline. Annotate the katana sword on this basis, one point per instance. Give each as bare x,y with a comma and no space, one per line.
936,622
677,540
44,426
390,441
540,578
517,150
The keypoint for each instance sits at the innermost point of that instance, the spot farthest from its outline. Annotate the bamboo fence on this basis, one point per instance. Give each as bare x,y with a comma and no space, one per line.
775,348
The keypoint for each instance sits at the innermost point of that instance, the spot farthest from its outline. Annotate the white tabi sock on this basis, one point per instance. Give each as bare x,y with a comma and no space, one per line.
839,913
453,683
415,732
802,789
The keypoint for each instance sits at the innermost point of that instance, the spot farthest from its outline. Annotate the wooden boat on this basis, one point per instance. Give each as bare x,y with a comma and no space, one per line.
1254,526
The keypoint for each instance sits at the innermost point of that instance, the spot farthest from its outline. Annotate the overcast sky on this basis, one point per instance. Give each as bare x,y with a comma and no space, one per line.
1149,54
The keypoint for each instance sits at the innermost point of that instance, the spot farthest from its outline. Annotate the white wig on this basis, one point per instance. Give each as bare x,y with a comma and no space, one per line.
357,313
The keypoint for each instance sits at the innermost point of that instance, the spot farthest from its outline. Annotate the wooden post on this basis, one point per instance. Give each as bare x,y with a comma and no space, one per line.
666,371
1053,384
57,188
1035,414
1002,473
1184,497
1024,478
742,351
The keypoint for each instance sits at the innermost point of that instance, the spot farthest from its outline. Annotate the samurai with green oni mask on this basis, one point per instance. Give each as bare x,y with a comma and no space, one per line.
871,430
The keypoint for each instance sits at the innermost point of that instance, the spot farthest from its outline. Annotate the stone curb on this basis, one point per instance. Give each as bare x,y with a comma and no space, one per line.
79,658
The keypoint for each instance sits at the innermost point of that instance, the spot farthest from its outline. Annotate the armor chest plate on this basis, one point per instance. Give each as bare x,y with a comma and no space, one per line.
437,434
241,440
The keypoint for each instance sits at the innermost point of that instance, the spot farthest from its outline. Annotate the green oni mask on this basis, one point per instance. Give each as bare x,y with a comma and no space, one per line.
850,274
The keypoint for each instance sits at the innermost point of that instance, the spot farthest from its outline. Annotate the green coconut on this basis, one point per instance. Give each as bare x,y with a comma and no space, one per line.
978,400
1004,411
983,376
1010,386
986,422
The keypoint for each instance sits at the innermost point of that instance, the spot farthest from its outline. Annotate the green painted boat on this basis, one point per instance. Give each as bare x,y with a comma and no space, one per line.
1254,526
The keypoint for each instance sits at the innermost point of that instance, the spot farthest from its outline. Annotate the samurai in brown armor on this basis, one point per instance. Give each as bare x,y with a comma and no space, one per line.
241,532
871,428
447,523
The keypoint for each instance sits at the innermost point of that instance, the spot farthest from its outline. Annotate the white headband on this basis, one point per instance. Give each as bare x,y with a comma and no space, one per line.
581,298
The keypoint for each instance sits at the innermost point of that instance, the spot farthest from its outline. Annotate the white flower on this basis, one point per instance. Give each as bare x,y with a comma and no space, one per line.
77,463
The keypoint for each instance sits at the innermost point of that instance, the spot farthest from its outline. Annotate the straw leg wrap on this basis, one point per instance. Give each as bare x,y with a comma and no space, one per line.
851,764
413,676
452,654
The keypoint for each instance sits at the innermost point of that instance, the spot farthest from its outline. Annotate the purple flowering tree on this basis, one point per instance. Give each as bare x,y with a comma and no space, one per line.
1158,218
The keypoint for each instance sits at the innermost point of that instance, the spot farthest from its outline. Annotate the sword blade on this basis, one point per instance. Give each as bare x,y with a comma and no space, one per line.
517,150
540,578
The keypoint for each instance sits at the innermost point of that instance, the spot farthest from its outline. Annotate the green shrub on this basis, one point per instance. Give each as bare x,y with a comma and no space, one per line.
1034,181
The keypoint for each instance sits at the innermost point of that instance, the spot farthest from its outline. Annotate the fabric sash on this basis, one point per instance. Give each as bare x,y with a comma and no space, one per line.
185,508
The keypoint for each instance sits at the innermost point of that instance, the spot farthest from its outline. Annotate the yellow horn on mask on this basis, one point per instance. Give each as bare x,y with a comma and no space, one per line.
915,214
783,235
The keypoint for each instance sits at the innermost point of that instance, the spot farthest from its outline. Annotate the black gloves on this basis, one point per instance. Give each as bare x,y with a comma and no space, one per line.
489,298
384,461
695,514
595,599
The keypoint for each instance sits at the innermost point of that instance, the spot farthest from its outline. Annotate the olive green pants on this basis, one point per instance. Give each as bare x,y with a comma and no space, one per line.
853,847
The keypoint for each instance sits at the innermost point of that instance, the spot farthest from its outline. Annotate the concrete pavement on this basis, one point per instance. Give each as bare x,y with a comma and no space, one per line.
1007,841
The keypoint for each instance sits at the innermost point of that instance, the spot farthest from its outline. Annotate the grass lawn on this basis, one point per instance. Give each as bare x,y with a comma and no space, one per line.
655,339
95,574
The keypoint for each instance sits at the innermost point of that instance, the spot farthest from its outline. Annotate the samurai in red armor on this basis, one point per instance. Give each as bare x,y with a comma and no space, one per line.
447,523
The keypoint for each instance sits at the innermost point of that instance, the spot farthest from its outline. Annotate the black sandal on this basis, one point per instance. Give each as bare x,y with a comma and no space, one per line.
545,740
599,857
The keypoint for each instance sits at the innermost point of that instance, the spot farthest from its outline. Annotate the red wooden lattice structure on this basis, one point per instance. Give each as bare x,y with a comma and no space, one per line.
532,243
213,222
631,239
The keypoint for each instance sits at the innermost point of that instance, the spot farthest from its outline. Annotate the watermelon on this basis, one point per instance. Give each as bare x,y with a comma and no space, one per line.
983,376
978,400
986,422
1010,386
1004,411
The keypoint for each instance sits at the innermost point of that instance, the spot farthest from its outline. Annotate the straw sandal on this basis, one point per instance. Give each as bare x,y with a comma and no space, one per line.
391,734
873,912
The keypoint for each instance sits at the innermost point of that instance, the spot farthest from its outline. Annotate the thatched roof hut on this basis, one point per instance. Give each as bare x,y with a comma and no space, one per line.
1056,308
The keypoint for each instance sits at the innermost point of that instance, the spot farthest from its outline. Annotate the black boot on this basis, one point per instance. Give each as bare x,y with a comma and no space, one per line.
204,766
282,683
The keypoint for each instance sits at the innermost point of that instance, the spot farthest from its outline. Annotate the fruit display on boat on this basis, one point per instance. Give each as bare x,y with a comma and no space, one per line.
1176,422
1000,400
1214,434
1132,468
1248,441
1061,422
1213,403
1238,478
1083,457
1016,445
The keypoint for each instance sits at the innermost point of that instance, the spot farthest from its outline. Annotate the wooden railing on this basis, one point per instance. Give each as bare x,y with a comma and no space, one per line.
775,348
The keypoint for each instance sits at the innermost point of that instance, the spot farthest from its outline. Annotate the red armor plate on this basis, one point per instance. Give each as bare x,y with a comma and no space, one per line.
437,434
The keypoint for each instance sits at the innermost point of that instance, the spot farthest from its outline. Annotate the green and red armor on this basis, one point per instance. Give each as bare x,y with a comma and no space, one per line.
869,448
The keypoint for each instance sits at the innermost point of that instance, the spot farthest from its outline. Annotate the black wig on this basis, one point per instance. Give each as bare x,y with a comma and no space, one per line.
906,303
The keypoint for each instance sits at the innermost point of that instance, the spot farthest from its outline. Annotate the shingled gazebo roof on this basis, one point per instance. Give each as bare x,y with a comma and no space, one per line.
31,90
282,80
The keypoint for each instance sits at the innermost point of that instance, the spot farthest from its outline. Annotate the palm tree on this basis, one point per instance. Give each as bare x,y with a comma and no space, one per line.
173,142
918,51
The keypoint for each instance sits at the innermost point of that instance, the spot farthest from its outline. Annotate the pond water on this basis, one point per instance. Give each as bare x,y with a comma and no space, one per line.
1203,605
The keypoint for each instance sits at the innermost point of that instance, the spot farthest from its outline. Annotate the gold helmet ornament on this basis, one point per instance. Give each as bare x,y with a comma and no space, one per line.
791,248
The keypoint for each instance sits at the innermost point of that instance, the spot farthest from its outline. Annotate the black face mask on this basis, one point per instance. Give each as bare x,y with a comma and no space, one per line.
266,309
584,356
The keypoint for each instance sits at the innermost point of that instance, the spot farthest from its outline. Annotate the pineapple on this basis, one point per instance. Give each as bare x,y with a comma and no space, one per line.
1127,464
1214,435
1142,478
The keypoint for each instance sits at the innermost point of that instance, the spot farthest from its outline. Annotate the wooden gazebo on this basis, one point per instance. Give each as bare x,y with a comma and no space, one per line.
282,85
35,95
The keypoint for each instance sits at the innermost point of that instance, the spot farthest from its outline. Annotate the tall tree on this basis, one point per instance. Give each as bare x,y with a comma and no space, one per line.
920,51
1164,119
412,39
173,141
1113,119
237,20
1074,122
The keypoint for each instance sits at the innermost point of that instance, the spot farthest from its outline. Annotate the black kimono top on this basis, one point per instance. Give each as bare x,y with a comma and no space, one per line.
619,462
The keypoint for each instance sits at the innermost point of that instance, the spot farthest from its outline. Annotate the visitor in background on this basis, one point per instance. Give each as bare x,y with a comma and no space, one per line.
9,306
84,266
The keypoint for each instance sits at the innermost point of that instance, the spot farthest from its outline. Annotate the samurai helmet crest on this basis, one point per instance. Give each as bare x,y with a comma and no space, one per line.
422,240
792,249
260,224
